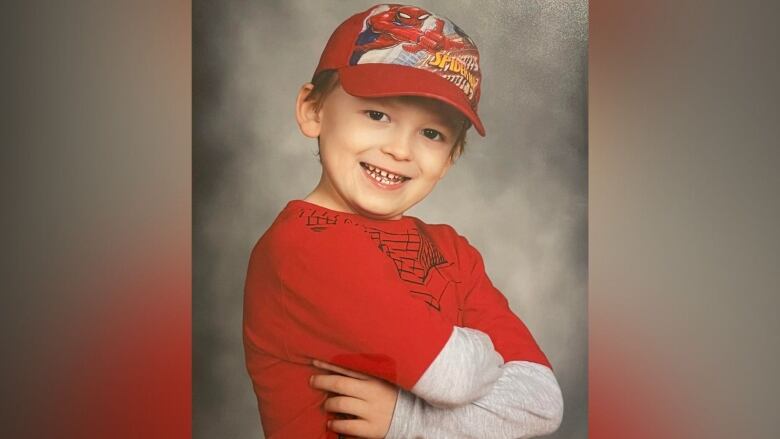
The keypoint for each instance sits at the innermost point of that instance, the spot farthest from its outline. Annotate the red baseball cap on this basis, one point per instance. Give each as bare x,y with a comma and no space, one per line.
397,50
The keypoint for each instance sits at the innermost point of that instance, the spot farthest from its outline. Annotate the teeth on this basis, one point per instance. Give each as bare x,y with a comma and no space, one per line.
383,176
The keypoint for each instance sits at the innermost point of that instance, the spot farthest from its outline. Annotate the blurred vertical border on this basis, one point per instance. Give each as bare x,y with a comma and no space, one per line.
96,184
683,120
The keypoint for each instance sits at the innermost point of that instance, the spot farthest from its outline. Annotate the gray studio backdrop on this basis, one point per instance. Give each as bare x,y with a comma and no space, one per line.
519,195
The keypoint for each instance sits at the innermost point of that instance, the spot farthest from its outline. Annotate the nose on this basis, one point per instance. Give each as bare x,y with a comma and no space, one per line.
399,147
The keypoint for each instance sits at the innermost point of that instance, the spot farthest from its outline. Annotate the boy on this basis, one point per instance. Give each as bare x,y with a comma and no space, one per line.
403,310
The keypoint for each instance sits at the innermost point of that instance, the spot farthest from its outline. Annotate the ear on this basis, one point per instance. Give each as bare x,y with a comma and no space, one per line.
306,113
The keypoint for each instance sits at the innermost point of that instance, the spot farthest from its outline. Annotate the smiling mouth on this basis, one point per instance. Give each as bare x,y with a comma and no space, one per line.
382,175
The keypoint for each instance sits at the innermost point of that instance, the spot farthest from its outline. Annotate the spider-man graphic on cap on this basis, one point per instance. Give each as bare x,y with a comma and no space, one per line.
402,25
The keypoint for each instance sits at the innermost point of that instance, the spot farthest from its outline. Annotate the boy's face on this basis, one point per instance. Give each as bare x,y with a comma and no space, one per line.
380,156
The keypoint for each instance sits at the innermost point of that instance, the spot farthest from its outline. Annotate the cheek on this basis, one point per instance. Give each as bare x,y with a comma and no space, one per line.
436,163
350,137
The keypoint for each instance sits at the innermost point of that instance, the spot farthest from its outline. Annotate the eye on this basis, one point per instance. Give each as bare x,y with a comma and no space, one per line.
378,116
404,15
423,16
432,134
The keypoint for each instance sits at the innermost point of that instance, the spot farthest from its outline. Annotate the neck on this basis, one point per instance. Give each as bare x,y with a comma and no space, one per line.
326,196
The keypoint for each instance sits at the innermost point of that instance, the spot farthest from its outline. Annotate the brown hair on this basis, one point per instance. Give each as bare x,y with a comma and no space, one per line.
324,83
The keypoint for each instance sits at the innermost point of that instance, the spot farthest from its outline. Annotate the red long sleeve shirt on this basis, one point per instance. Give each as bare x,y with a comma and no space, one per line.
376,296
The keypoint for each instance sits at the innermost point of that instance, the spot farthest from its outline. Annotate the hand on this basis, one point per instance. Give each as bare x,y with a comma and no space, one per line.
430,41
434,39
370,400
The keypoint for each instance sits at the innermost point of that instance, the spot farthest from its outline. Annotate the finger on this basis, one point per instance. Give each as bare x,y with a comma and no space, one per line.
341,370
337,384
345,404
352,427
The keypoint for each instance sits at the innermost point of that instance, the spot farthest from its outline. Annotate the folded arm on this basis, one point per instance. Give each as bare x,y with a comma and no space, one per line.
343,302
525,401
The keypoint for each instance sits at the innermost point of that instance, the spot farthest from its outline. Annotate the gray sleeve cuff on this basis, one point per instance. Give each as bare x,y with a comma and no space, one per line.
402,416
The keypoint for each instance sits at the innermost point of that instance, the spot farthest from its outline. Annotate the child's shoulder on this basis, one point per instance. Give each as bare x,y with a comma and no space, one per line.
289,226
447,236
302,225
442,229
440,232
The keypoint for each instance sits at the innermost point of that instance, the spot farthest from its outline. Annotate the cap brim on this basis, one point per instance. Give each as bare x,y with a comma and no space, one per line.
384,80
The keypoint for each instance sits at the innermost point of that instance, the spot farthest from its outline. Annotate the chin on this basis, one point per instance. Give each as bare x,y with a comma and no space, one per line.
380,212
381,215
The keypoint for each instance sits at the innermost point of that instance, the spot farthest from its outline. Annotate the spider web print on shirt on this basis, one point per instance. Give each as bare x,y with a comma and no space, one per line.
413,252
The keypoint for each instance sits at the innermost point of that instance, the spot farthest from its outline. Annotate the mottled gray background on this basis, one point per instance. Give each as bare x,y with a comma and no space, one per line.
519,195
